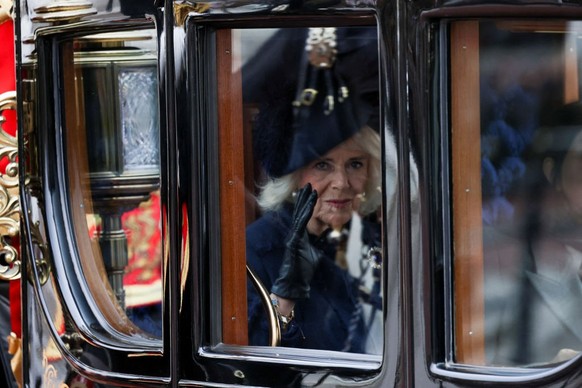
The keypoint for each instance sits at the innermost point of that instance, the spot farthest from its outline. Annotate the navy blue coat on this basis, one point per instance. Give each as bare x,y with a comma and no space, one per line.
323,320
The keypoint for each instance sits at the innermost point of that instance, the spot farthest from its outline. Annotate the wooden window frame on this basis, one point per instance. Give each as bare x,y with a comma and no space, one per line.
466,190
231,189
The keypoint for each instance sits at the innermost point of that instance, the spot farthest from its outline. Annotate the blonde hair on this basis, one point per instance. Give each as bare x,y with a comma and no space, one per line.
275,192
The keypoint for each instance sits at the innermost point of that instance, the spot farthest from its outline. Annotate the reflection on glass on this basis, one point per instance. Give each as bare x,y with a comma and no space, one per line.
114,144
314,241
138,97
531,148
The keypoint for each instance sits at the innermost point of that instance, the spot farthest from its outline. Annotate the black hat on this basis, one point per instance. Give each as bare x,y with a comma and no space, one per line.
311,100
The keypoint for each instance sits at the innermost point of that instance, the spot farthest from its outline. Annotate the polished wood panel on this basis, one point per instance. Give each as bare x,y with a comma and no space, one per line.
232,189
571,81
467,202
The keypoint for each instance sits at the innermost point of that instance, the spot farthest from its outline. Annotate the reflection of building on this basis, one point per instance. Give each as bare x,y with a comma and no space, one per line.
142,281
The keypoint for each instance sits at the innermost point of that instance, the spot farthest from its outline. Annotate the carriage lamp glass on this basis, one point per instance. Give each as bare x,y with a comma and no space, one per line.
139,119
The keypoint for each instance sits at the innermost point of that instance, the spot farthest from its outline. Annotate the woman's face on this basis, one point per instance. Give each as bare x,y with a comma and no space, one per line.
571,177
339,177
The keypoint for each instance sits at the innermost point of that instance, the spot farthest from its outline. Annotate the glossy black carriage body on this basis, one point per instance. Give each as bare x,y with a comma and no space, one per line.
85,323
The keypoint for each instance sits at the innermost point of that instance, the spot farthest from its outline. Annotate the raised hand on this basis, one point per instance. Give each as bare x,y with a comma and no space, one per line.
301,258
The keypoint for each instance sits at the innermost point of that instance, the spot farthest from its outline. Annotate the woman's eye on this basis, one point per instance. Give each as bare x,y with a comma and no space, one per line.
324,166
356,164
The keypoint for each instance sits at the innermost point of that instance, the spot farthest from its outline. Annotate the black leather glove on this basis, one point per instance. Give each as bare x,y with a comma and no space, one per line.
300,258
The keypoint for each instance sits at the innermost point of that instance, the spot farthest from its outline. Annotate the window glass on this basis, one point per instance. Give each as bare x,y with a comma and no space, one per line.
517,219
112,131
310,184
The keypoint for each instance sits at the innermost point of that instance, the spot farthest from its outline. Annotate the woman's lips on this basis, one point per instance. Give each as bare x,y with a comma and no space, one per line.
339,203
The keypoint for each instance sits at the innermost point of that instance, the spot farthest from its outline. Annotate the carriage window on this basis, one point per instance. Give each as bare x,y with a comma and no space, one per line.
304,198
111,129
517,210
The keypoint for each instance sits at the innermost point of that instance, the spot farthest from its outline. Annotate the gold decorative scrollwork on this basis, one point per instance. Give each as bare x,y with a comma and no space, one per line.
9,201
6,10
51,376
9,255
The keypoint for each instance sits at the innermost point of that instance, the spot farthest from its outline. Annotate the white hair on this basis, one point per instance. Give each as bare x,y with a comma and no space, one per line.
275,192
369,141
